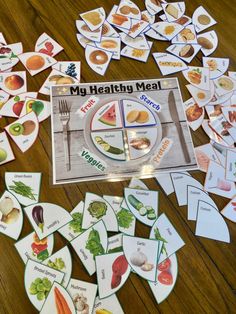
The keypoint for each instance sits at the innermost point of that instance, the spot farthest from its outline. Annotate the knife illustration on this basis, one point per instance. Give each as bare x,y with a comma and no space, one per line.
175,117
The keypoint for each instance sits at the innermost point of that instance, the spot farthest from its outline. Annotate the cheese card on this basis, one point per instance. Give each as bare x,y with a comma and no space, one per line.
184,51
174,10
187,35
204,154
202,19
217,66
198,77
194,114
229,211
94,36
98,59
13,83
47,45
208,41
6,153
94,18
168,30
169,64
136,54
230,166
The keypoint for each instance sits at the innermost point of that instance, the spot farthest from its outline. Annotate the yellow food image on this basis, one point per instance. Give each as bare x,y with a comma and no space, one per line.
172,10
187,34
169,30
138,53
137,116
226,83
212,65
103,311
109,43
35,62
201,95
93,17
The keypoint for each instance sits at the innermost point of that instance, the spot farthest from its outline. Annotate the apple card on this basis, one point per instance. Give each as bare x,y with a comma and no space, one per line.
96,208
169,64
13,83
98,59
30,247
6,153
94,18
112,272
168,30
174,10
38,282
201,96
45,44
11,216
216,183
194,114
118,19
89,244
47,218
224,85
229,211
142,255
198,77
230,114
112,45
94,36
208,41
154,7
217,66
140,42
71,68
187,35
9,56
115,243
25,186
202,19
83,295
230,166
204,154
136,54
58,298
221,126
110,304
130,9
41,108
184,51
210,224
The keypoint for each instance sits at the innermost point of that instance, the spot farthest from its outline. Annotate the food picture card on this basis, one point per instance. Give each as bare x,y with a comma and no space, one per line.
213,135
58,300
112,272
217,66
24,131
184,51
137,27
3,98
220,150
115,243
169,64
83,41
30,247
98,59
94,36
213,111
11,216
109,30
6,153
201,96
118,20
110,305
174,10
89,244
208,41
168,30
202,19
229,211
230,166
137,184
194,114
146,16
210,223
136,54
9,56
224,85
221,126
165,182
198,77
13,83
71,68
83,295
204,154
47,45
112,45
41,108
155,35
39,280
216,183
140,42
129,8
47,218
94,18
230,114
154,7
187,35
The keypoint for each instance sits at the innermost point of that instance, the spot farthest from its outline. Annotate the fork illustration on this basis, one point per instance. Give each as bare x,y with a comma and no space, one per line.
64,114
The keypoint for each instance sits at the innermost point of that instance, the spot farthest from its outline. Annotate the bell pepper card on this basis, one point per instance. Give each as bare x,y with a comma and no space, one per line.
11,216
47,218
230,171
112,271
47,45
229,211
110,305
13,83
202,19
204,154
30,247
6,153
89,244
38,282
41,108
83,295
115,243
58,301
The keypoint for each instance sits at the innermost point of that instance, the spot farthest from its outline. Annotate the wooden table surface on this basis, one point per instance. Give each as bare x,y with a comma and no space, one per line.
207,274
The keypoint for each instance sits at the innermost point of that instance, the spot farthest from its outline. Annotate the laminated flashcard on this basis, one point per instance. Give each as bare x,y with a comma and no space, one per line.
30,247
210,224
208,42
155,35
58,301
167,272
142,255
230,166
111,44
220,150
213,111
184,51
163,230
83,41
232,74
94,18
115,243
140,42
198,77
137,184
224,85
147,17
230,114
71,68
87,33
110,305
137,27
83,295
168,30
174,10
62,261
216,183
204,154
154,7
6,153
24,131
96,208
3,98
89,244
194,196
45,44
136,54
98,59
229,211
129,8
9,56
11,216
41,108
221,126
187,35
74,227
108,30
181,181
202,19
222,100
119,20
217,66
211,133
25,186
194,114
13,83
143,204
112,271
169,64
47,218
165,182
201,96
39,280
2,40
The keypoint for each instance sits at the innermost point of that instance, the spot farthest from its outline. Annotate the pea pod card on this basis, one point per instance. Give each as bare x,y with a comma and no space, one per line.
94,18
208,42
47,218
30,247
89,244
229,211
110,304
9,56
174,10
169,64
204,154
6,153
94,36
47,45
39,280
13,83
98,59
71,68
185,52
166,29
41,108
83,295
202,19
217,66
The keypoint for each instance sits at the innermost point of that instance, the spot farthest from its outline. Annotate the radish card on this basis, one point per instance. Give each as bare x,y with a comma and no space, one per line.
6,153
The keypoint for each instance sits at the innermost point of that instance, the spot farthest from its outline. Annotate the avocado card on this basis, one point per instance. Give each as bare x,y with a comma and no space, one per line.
47,45
137,54
229,211
42,108
230,166
93,36
202,19
110,44
9,56
168,64
110,304
98,59
6,153
13,83
71,68
184,52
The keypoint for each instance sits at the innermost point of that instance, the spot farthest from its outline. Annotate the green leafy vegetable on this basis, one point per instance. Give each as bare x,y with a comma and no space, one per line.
93,244
159,237
40,288
125,218
58,264
22,189
97,209
76,224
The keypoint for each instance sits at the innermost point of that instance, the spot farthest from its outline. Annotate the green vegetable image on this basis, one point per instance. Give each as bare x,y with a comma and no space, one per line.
116,249
159,237
135,202
97,209
93,243
107,147
125,218
143,210
40,288
22,189
58,264
76,224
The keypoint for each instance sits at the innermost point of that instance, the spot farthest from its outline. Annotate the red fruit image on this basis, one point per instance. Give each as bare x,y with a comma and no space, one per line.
165,278
49,46
115,280
14,82
46,52
165,265
17,107
120,265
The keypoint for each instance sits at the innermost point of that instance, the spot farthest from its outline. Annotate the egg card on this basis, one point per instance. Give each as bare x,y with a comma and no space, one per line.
174,10
194,114
167,30
230,166
229,211
110,304
185,52
208,42
71,68
13,83
169,64
204,154
6,153
94,36
137,54
202,19
94,18
187,35
47,45
98,59
217,66
110,44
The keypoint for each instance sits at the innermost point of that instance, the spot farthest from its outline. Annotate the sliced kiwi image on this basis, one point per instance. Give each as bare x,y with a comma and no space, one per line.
16,129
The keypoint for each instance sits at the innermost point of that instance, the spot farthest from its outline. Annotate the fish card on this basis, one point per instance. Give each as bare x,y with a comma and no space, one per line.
167,30
94,19
98,59
169,64
186,35
140,42
6,153
110,304
174,10
198,77
204,154
185,52
119,20
224,85
13,83
201,96
230,166
136,54
47,45
41,108
71,68
194,114
110,44
202,19
208,41
94,36
9,56
217,66
229,211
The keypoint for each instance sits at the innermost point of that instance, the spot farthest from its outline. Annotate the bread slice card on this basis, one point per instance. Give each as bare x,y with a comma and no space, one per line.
11,216
185,52
130,9
30,247
38,281
112,271
136,54
167,273
6,153
13,83
224,85
83,295
94,18
110,304
119,20
187,35
194,114
140,42
201,96
221,126
115,243
174,10
230,114
46,218
168,30
208,42
71,68
154,6
89,244
74,227
169,64
41,108
9,56
217,66
98,59
216,183
202,19
112,45
24,131
58,300
198,77
230,165
204,154
210,224
229,211
47,45
25,186
143,204
94,36
142,255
